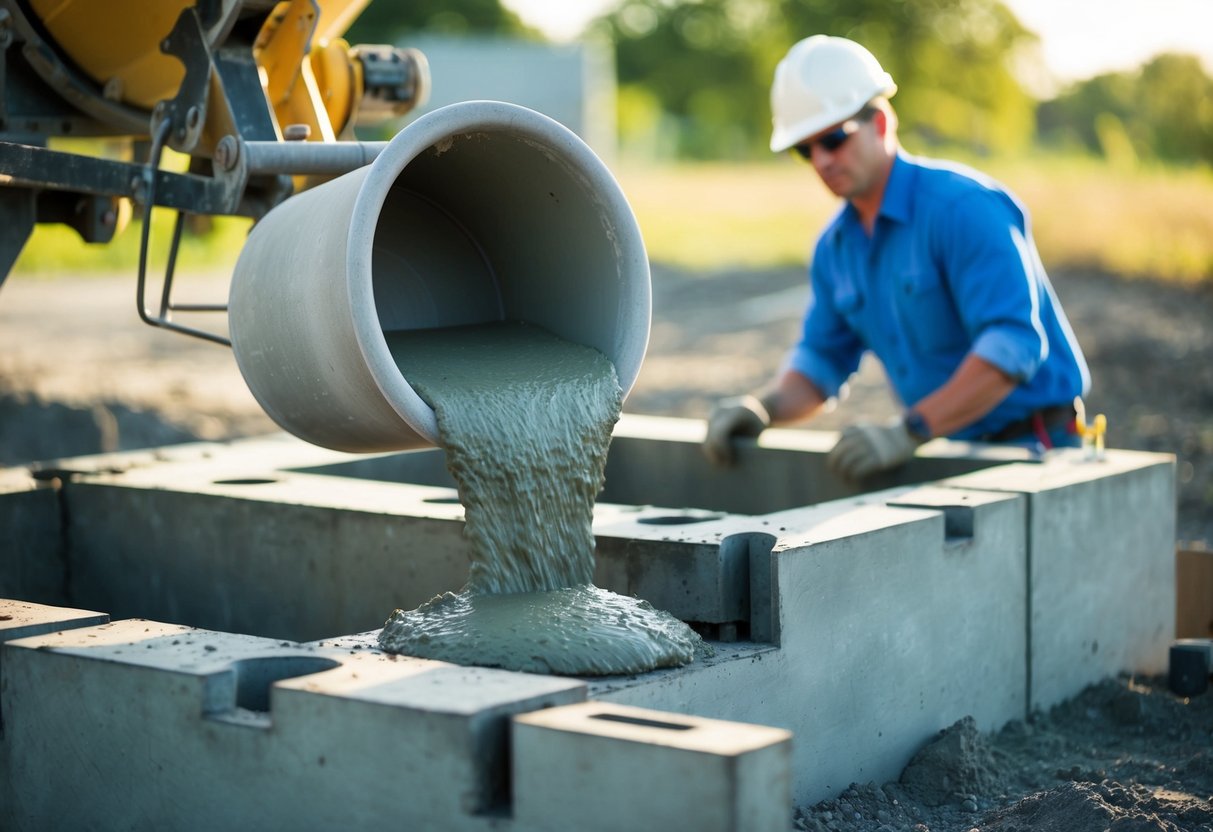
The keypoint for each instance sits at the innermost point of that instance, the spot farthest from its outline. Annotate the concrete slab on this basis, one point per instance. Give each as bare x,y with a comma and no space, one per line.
155,726
602,767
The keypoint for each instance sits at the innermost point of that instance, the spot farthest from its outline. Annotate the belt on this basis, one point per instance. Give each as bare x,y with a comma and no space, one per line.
1043,420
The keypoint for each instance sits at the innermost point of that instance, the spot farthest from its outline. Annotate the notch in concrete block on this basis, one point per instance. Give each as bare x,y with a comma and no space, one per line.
600,766
242,695
959,508
764,622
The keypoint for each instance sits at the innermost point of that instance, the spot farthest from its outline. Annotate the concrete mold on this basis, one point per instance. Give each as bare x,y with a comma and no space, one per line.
245,582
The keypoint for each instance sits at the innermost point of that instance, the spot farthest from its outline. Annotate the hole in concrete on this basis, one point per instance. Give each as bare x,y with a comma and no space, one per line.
678,519
246,481
255,676
647,723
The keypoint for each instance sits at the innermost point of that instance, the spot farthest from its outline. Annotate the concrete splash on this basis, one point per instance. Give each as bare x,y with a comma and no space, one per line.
526,421
579,631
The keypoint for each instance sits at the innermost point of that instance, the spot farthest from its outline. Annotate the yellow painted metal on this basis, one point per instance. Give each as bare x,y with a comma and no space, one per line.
290,85
339,81
117,43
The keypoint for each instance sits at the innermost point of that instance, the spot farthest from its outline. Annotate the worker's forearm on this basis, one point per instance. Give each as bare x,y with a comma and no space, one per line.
976,388
792,398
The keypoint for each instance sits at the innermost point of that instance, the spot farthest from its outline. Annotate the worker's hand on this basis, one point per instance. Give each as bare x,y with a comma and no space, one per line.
865,449
730,418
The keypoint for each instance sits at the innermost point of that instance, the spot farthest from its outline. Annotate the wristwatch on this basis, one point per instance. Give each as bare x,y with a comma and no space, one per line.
916,426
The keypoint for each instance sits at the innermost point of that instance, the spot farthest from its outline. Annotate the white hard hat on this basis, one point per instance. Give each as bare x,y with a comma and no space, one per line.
822,80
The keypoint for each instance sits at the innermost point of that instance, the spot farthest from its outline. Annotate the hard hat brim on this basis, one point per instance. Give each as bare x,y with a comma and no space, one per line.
785,137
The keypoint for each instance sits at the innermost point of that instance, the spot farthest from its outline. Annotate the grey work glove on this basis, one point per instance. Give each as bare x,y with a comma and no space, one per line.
865,449
731,418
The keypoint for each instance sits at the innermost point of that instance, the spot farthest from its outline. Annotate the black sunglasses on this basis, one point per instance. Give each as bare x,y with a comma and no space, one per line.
831,141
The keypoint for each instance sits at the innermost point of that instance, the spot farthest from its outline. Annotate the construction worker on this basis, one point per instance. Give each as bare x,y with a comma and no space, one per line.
928,264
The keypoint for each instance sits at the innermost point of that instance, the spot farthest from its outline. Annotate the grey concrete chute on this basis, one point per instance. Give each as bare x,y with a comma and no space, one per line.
478,212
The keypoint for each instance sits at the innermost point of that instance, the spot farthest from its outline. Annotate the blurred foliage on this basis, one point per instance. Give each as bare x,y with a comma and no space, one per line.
1164,111
709,64
55,249
695,76
387,21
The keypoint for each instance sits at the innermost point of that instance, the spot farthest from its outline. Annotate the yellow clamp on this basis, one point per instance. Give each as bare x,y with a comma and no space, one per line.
1092,434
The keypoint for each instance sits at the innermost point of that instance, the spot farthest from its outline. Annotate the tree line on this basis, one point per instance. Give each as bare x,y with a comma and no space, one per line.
694,75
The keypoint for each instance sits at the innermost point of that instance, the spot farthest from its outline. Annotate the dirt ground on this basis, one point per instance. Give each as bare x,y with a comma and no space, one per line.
79,374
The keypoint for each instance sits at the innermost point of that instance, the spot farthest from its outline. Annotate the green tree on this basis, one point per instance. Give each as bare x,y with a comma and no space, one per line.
1175,106
1165,108
706,64
710,62
386,21
1071,119
952,60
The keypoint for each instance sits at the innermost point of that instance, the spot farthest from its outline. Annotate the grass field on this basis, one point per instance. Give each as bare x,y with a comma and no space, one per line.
1153,223
1136,223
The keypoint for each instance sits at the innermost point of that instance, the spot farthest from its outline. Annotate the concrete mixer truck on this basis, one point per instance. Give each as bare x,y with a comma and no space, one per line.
260,96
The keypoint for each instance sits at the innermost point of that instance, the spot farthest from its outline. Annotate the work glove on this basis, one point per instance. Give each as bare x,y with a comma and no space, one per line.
731,418
863,449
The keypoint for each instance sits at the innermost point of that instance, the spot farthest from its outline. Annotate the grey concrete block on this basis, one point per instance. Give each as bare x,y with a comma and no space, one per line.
889,630
32,566
597,766
21,619
1101,565
192,545
659,461
885,616
156,726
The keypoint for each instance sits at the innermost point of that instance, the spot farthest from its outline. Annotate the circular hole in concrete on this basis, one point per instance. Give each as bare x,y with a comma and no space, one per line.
446,501
678,519
246,481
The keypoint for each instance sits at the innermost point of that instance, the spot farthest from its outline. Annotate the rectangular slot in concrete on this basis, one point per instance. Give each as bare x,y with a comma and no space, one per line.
597,766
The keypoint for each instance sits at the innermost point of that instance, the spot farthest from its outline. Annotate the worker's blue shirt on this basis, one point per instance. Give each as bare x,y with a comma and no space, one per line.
950,269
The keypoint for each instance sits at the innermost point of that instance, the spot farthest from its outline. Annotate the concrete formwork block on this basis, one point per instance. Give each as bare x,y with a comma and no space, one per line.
889,627
659,461
1101,565
693,580
894,629
240,544
598,766
31,523
157,726
22,619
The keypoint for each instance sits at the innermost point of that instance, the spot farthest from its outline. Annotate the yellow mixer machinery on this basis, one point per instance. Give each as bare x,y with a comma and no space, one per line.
261,96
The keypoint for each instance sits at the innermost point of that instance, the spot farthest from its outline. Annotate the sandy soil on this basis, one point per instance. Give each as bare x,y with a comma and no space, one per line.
1126,755
79,373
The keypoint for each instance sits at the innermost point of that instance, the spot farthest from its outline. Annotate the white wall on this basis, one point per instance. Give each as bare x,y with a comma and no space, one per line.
572,83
